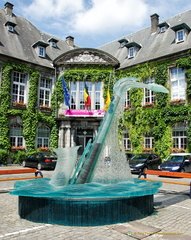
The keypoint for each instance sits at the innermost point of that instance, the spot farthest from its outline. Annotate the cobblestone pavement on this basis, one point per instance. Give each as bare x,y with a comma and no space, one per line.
170,219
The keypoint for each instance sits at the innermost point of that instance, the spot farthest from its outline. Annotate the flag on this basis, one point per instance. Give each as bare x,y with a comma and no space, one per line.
87,99
66,93
108,100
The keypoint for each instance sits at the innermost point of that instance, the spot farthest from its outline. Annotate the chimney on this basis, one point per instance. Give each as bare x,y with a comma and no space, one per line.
8,8
154,22
70,41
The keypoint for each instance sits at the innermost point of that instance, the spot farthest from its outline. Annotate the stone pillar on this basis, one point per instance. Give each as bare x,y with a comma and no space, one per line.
67,137
64,135
73,144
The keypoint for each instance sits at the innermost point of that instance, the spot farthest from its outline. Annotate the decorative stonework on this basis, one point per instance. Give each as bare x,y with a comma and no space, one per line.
86,57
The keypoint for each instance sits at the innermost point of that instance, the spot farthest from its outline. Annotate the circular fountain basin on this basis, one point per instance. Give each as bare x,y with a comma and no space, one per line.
90,204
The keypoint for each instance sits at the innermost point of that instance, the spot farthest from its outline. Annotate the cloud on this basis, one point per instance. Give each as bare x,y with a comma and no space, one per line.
87,16
96,20
110,15
56,9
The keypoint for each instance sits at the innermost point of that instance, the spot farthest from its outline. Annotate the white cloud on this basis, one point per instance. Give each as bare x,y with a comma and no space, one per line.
95,21
87,16
57,9
110,15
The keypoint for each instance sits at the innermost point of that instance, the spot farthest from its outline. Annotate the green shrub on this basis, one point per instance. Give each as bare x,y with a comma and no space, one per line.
19,157
4,154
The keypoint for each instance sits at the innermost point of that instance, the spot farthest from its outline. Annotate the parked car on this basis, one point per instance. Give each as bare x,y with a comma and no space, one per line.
141,162
129,156
41,160
177,162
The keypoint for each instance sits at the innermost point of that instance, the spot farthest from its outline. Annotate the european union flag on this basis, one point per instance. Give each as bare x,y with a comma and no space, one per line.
66,93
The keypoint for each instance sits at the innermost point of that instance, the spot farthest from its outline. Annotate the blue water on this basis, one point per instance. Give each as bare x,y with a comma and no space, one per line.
42,188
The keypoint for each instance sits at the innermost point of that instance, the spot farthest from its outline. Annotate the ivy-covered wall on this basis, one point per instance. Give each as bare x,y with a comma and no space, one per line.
162,116
30,117
137,120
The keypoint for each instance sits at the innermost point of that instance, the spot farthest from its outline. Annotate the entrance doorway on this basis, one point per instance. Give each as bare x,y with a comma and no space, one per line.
83,136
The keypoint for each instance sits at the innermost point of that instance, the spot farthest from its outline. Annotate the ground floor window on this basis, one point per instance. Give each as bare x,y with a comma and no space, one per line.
126,142
43,136
148,141
16,138
179,136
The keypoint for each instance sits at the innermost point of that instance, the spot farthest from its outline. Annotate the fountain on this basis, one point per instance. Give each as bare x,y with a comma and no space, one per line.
100,189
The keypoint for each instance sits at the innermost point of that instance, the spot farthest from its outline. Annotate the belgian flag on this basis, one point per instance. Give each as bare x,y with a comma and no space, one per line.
107,101
87,99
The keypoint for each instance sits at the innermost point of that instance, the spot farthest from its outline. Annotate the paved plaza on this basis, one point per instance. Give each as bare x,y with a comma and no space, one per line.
171,218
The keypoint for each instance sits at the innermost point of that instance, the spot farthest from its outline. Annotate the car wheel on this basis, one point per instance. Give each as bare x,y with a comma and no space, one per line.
39,166
24,164
182,170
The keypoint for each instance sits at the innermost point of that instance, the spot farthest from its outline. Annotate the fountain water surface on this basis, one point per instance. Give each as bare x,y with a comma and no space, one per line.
100,189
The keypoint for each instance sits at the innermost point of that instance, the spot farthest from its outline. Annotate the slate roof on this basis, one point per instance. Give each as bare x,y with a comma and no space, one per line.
19,44
153,45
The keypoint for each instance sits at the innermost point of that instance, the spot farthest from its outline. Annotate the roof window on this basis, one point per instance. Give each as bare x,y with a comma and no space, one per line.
10,26
123,42
181,32
163,27
40,47
53,42
133,48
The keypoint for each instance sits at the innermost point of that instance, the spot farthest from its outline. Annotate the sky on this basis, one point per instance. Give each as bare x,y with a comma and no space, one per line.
94,23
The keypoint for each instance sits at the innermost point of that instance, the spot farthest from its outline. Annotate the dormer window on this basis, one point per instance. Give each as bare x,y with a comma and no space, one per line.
180,35
42,51
131,52
53,42
163,27
133,48
181,32
40,47
10,26
123,42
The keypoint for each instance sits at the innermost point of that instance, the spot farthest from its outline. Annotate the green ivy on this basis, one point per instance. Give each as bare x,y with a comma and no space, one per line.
30,117
105,75
162,116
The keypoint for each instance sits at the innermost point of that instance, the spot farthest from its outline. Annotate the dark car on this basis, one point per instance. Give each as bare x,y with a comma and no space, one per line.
41,160
141,162
177,162
129,155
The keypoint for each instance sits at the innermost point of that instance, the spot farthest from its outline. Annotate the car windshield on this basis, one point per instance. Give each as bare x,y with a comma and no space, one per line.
175,159
140,158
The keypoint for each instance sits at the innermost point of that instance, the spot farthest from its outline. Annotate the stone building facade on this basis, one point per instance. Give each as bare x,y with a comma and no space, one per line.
33,63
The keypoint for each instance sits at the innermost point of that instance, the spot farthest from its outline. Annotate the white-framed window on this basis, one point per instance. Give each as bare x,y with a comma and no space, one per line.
131,52
77,95
16,128
10,28
43,136
54,44
45,91
122,44
163,29
148,141
127,99
41,51
178,83
19,87
180,35
179,136
126,141
149,95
